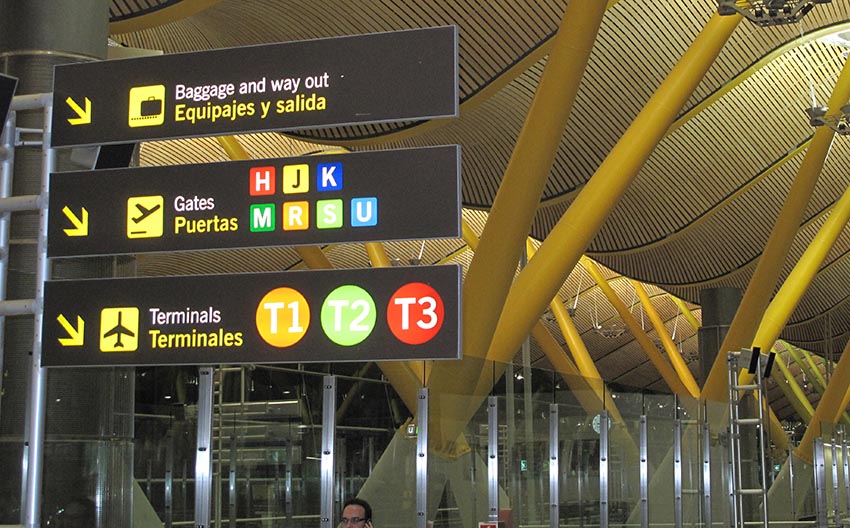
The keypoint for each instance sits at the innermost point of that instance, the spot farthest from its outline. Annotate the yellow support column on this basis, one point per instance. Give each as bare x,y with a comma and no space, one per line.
492,269
807,368
538,283
829,406
818,374
807,364
792,290
582,358
686,312
667,342
670,377
769,268
793,392
585,390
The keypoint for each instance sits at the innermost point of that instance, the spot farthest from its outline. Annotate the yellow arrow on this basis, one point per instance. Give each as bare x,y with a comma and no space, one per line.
81,225
84,115
76,335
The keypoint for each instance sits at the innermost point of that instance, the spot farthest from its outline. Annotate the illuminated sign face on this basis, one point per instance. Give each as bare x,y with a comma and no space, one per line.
394,76
357,197
312,316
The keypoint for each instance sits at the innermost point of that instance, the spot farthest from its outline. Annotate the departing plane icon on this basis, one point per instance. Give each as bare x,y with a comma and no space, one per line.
145,216
119,330
145,212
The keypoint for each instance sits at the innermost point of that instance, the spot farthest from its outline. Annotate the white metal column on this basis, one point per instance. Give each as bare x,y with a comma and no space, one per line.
422,460
203,452
603,469
493,457
554,508
328,437
644,474
38,376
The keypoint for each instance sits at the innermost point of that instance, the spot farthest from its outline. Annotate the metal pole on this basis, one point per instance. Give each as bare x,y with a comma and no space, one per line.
677,472
763,436
422,460
7,163
846,468
836,507
169,478
791,481
644,474
554,509
510,441
734,439
820,483
528,421
603,469
231,483
203,453
38,375
493,457
706,466
328,436
288,480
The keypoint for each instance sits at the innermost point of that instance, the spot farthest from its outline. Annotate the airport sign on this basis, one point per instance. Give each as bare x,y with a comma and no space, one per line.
381,77
397,313
357,197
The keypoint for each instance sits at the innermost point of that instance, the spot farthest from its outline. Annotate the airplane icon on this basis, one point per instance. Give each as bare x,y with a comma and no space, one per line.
145,216
145,212
119,328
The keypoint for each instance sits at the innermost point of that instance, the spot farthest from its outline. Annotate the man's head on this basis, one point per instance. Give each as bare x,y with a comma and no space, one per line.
356,512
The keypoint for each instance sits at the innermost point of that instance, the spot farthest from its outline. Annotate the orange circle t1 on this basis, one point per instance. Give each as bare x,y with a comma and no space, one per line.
283,317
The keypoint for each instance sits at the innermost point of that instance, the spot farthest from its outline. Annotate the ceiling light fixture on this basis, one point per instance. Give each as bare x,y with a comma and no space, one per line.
839,123
768,12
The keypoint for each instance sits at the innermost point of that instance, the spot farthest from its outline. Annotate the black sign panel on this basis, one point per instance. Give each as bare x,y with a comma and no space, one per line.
304,316
7,92
357,197
380,77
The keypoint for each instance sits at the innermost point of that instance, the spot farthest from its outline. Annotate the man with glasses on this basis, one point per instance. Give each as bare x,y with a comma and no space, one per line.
357,513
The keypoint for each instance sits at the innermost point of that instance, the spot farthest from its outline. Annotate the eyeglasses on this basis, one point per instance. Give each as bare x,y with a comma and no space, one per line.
352,521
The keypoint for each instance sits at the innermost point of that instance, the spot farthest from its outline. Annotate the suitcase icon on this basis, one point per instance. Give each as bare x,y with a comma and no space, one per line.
151,107
147,106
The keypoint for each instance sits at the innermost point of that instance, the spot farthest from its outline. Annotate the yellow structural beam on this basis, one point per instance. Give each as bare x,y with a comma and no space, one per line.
585,390
686,312
818,382
841,410
811,361
679,364
667,372
769,268
808,366
793,392
788,297
492,269
503,239
538,283
829,406
583,361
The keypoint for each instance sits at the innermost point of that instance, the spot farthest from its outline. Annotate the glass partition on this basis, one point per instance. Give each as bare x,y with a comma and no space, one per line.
267,446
